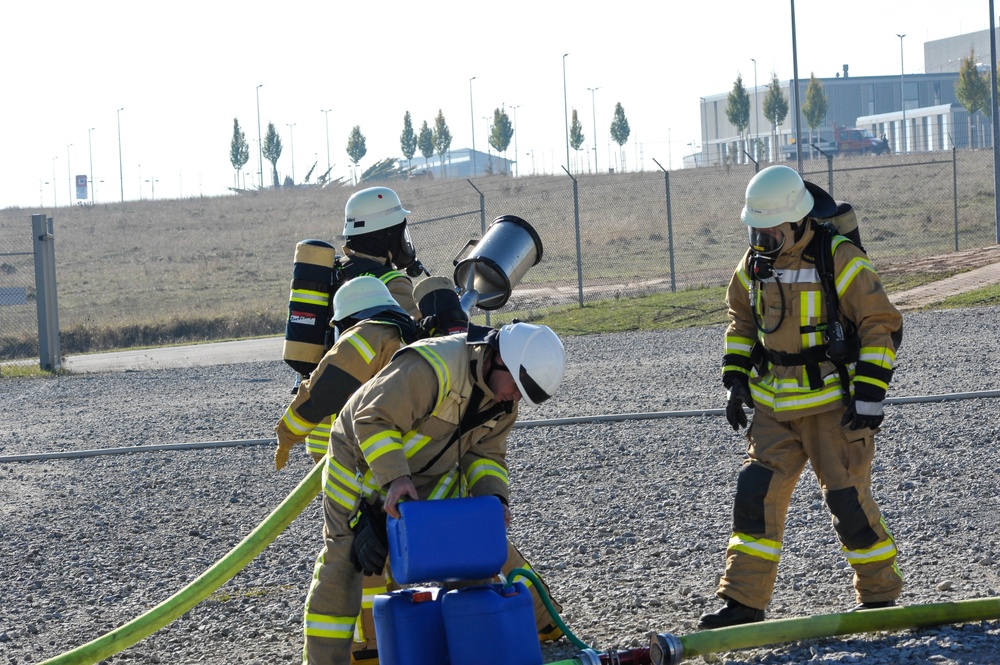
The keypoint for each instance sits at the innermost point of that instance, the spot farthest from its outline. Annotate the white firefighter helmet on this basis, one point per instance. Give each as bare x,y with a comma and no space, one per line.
535,357
774,196
372,209
362,297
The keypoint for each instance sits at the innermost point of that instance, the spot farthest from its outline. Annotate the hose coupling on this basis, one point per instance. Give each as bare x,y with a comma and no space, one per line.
665,649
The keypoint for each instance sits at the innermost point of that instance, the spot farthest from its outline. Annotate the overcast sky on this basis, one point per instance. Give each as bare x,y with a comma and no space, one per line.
182,70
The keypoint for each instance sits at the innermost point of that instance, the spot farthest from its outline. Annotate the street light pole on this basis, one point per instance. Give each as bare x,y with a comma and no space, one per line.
517,170
55,202
593,111
69,173
902,97
90,150
565,109
121,176
260,151
756,114
291,141
472,120
326,116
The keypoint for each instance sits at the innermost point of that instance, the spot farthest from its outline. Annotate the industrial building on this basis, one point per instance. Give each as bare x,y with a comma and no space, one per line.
915,112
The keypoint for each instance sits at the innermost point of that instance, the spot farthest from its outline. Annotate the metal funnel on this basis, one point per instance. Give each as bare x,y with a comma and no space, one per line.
487,270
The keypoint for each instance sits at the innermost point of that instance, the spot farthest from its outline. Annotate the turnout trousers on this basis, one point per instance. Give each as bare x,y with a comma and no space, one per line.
842,460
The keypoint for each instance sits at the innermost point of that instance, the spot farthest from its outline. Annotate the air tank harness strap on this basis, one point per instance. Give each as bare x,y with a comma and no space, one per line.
812,357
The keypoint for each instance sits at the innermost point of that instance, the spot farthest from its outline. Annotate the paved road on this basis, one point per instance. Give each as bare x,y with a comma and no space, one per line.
220,353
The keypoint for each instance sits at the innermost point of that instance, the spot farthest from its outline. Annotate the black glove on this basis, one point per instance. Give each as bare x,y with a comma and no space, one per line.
739,394
862,414
370,547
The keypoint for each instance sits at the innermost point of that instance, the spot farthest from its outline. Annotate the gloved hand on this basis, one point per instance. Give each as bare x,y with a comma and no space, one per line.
861,414
739,394
370,547
281,455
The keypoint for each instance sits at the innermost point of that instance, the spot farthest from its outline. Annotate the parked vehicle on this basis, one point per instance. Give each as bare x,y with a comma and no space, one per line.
839,141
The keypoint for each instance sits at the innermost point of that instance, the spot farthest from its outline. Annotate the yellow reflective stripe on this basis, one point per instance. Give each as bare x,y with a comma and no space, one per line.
878,355
389,276
852,270
739,345
440,368
370,592
444,486
319,439
309,297
341,484
324,625
482,468
295,423
384,442
882,551
758,547
809,310
363,347
872,382
742,276
413,443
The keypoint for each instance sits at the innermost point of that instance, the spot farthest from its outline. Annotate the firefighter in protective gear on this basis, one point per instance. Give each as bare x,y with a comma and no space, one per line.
377,244
779,361
370,327
433,424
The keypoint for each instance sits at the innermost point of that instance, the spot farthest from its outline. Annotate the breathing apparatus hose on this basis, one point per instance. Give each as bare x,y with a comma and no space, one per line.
220,572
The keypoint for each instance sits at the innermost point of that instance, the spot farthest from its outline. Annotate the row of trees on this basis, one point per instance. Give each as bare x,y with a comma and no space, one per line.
429,141
619,131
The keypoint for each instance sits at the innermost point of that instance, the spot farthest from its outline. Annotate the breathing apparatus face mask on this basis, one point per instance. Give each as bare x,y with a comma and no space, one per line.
767,242
766,245
404,254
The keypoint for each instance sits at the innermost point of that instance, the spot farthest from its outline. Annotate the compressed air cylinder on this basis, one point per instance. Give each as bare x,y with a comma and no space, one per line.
447,539
310,304
409,627
491,624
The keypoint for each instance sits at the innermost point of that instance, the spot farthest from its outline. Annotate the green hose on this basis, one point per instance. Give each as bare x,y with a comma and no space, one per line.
220,572
666,649
540,588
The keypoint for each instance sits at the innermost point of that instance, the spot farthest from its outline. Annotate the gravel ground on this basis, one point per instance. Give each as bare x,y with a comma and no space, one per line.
627,521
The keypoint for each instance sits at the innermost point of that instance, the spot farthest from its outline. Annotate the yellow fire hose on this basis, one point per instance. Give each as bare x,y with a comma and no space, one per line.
666,649
220,572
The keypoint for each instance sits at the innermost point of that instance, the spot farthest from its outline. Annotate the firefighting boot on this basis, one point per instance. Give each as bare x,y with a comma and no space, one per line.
873,605
733,613
364,657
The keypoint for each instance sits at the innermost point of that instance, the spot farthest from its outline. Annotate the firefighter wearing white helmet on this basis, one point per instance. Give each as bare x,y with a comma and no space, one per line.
378,243
814,363
452,402
370,327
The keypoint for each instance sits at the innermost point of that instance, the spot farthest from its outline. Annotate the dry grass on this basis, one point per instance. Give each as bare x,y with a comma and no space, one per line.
207,268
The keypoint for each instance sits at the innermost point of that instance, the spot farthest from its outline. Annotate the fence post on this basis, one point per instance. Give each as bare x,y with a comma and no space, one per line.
670,226
43,239
576,225
482,223
954,190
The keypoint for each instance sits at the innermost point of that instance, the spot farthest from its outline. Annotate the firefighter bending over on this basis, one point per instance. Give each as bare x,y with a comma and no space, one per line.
451,401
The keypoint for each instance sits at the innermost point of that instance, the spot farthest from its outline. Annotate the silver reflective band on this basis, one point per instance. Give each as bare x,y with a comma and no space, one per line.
792,205
377,215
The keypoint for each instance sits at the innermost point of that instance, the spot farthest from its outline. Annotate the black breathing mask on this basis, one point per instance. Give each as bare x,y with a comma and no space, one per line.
404,254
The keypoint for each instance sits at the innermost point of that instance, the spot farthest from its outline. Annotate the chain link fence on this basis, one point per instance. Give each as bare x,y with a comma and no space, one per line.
603,235
608,236
18,309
